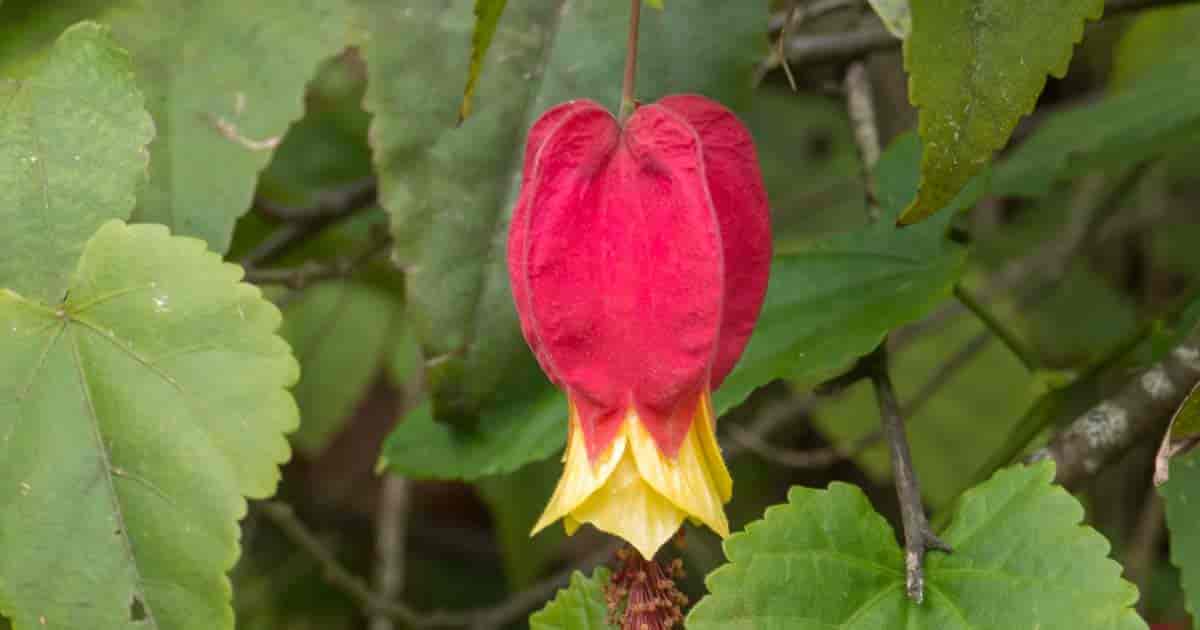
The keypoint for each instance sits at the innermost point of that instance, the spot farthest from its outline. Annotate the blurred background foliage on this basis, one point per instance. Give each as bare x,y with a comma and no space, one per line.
1076,259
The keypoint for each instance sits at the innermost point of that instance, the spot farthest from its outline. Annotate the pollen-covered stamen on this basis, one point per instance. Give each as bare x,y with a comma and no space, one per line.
642,594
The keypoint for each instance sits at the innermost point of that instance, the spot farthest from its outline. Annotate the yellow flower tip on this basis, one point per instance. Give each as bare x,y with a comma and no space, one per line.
635,492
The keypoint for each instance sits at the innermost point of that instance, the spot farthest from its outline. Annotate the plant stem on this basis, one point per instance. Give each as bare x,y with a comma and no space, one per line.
628,104
1023,352
918,535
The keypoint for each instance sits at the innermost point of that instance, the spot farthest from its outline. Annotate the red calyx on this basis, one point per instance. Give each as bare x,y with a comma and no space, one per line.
639,257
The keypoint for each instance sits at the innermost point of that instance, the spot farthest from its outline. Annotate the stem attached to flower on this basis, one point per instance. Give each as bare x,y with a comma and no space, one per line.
627,99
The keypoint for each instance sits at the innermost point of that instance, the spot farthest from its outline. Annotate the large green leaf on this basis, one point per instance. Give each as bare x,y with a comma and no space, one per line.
72,155
1182,494
580,606
1154,114
136,416
223,80
975,67
339,332
833,302
827,560
450,189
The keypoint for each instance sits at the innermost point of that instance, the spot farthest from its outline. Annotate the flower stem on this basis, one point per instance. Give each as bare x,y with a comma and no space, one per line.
627,99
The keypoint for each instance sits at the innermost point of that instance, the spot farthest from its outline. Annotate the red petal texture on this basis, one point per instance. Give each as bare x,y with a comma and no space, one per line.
639,258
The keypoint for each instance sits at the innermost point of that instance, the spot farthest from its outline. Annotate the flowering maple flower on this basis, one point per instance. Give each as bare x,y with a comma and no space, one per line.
638,256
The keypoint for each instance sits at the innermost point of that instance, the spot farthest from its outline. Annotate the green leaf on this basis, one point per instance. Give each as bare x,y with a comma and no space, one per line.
73,155
580,606
967,419
1155,36
506,438
1183,434
1155,114
223,82
137,416
450,190
1182,494
825,559
833,302
339,332
895,15
975,67
487,17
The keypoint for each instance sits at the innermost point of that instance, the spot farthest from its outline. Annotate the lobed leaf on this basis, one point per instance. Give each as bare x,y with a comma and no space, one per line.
223,81
580,606
136,416
825,559
74,152
975,67
1145,118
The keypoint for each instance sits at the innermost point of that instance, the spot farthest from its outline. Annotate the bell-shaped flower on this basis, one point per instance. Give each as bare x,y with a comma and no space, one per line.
638,256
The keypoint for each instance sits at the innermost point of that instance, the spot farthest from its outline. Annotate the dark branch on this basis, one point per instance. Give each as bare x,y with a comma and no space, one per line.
918,535
841,47
1010,339
302,276
302,223
338,576
1138,410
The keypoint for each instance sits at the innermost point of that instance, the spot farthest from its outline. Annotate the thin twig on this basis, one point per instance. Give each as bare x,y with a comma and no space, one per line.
391,532
1022,351
302,223
918,535
1138,410
1143,544
861,107
790,458
812,10
628,95
304,275
341,578
839,47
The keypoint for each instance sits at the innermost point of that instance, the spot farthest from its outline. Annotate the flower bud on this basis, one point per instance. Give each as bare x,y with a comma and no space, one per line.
638,256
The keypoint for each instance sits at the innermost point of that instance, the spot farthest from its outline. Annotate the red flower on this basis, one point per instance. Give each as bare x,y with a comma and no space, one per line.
639,256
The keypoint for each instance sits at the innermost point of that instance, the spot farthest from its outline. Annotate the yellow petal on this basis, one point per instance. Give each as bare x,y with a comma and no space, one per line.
580,479
635,492
696,479
629,508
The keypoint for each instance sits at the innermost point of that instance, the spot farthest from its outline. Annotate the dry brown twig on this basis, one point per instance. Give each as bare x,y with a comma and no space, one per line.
355,587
